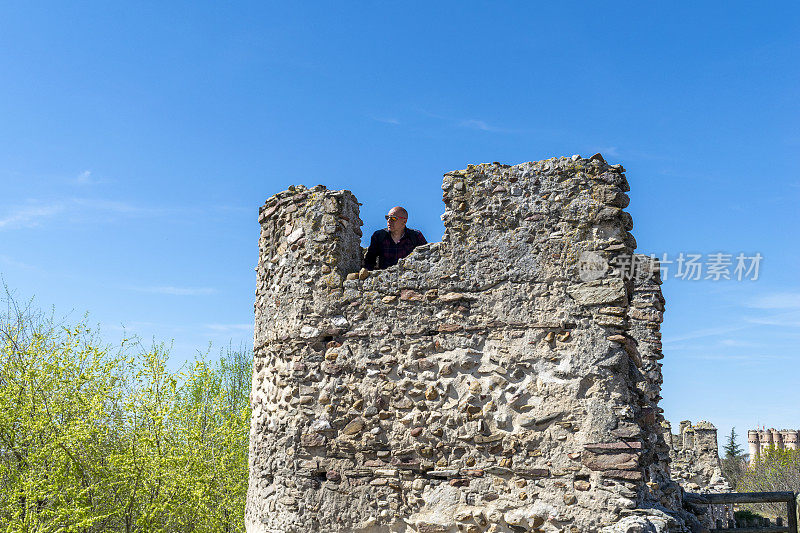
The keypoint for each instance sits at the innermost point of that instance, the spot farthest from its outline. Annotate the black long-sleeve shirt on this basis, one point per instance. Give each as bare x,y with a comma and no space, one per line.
383,248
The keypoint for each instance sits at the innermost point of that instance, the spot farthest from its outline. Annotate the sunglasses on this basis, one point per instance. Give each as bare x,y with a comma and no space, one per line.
393,218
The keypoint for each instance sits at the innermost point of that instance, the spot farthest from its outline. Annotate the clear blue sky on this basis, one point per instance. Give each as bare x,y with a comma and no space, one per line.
137,141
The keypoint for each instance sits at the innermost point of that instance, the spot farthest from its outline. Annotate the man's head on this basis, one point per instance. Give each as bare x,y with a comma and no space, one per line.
396,220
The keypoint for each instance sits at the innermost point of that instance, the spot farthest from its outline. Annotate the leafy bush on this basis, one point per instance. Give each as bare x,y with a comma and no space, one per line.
97,439
744,517
774,470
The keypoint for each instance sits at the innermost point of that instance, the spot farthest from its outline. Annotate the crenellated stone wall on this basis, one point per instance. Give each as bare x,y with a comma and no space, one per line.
760,440
694,455
504,379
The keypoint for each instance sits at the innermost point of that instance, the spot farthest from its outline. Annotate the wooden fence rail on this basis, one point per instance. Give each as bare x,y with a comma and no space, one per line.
762,526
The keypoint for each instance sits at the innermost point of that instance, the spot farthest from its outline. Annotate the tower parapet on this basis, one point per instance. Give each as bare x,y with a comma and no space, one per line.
760,441
765,440
696,463
688,438
752,444
790,438
706,437
777,441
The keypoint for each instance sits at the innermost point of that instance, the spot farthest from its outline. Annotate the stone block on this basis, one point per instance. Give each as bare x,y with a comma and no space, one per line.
598,292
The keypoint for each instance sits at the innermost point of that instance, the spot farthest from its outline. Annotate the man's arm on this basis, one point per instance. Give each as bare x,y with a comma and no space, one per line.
421,239
372,252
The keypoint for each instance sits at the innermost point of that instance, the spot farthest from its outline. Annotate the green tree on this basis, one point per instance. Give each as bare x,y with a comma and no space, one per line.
59,400
732,448
734,461
94,439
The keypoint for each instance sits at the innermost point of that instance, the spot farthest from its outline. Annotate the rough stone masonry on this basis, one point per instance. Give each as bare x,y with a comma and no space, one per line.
694,457
489,382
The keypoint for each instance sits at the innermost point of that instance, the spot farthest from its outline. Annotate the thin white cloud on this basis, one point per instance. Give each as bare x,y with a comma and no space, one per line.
779,300
478,124
706,332
113,206
35,213
786,320
386,120
225,328
751,358
132,327
787,301
85,178
177,291
481,125
611,151
29,216
628,153
735,343
10,261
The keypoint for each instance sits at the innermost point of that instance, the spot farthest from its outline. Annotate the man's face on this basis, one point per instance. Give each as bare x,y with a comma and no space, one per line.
395,220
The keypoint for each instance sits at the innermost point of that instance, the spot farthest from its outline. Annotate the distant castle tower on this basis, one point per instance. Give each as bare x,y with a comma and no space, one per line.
759,441
790,438
752,443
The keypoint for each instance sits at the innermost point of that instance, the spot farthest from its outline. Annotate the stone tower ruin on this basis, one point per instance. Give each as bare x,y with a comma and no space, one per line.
694,457
503,379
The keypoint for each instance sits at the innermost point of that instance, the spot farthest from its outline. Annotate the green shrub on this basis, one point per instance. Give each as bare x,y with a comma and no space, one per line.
94,439
774,471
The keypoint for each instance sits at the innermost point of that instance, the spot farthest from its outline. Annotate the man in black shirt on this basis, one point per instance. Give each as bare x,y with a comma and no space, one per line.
390,245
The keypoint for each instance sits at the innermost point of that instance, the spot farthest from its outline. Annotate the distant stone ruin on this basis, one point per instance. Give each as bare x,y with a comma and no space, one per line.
694,456
504,379
760,440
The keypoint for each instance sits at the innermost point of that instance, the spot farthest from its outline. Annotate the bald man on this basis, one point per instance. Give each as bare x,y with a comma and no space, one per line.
389,245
